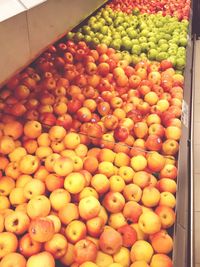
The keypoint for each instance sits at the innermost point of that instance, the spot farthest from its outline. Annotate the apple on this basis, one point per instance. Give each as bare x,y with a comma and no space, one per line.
28,246
129,235
149,222
114,202
110,241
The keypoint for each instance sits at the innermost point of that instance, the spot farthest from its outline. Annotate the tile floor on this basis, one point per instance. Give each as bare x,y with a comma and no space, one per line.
196,156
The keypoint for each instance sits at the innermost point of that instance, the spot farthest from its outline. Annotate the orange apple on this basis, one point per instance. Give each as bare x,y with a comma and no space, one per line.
29,247
38,206
167,216
170,147
149,222
95,226
116,220
68,213
69,256
17,222
57,246
7,184
63,166
114,202
13,129
110,241
117,183
40,260
71,140
138,163
161,260
7,145
74,182
85,250
140,129
103,259
155,161
59,198
34,188
126,173
17,197
141,250
75,231
132,211
89,207
132,192
13,260
41,229
173,132
8,243
162,242
32,129
167,185
100,183
140,264
150,196
29,164
167,199
4,203
142,179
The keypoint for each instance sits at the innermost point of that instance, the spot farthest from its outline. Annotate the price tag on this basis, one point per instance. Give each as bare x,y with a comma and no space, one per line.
185,114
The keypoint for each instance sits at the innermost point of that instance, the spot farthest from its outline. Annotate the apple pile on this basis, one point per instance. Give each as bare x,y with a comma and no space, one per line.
88,148
179,9
144,36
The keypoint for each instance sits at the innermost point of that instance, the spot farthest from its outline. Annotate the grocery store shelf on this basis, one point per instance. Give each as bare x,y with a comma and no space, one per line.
196,146
29,31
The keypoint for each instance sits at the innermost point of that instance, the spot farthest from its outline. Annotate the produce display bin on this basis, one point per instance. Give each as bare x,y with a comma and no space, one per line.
36,28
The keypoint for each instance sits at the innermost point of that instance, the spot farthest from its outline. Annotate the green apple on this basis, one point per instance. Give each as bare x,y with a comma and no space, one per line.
136,11
167,36
173,60
116,35
92,34
144,47
127,44
151,45
180,63
136,49
183,41
78,36
116,44
125,25
70,35
106,40
109,21
87,38
95,41
128,58
104,30
152,39
142,39
164,47
161,56
162,41
86,29
152,53
135,59
123,33
144,33
132,33
99,35
135,41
